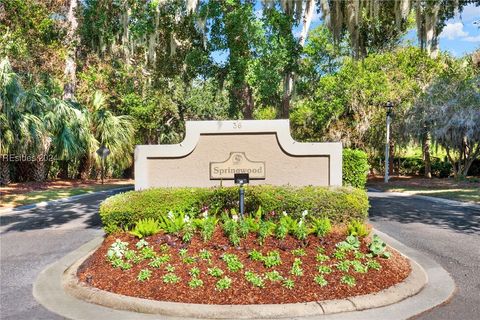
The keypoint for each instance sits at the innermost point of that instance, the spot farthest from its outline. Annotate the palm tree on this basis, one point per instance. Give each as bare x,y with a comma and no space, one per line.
69,126
21,131
112,131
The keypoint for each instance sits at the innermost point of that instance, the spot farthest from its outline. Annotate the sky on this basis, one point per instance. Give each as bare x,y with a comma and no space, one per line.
460,36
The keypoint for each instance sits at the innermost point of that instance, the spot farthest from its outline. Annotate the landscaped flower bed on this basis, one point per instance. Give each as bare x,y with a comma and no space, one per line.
263,258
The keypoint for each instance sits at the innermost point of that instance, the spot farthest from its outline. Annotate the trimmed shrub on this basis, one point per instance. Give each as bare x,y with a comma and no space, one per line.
340,205
355,168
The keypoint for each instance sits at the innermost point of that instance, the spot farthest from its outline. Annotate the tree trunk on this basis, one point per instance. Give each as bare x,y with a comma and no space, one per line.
454,168
39,170
287,95
71,62
289,78
84,168
426,155
248,102
4,172
63,174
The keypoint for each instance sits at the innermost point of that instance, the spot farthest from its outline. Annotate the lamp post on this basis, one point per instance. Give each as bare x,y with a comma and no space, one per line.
241,179
389,108
103,152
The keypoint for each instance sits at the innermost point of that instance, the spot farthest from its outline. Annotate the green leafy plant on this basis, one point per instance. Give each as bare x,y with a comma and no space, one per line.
288,283
343,265
272,259
116,262
148,253
144,275
232,261
351,243
164,247
373,264
243,227
130,254
230,228
300,230
195,283
223,284
125,266
357,228
141,243
320,280
117,249
174,222
355,168
320,257
146,227
194,272
359,255
273,275
183,252
378,247
254,279
159,261
358,266
321,226
283,226
207,227
169,268
324,269
338,204
205,254
266,229
189,260
170,278
255,255
215,272
188,232
298,252
297,268
339,254
348,280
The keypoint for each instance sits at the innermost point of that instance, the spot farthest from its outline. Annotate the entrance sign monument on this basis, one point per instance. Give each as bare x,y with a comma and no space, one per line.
212,152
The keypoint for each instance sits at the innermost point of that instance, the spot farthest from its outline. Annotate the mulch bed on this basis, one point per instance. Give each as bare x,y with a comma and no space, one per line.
24,187
97,271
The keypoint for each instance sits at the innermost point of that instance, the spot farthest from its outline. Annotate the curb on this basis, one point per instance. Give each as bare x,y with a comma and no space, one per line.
52,283
428,198
62,200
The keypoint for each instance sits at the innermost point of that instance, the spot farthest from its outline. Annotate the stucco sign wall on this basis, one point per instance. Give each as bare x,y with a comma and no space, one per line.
213,151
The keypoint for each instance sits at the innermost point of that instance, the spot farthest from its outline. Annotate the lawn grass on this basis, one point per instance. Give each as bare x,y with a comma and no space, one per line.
466,190
464,194
13,200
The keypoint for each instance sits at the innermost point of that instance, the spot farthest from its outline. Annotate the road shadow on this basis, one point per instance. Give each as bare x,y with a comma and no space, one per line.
82,212
414,210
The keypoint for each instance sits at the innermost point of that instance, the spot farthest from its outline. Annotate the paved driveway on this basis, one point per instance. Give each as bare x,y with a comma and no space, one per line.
449,234
32,239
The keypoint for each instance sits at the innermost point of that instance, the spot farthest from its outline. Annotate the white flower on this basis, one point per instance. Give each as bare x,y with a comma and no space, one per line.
186,219
205,214
235,217
285,213
170,215
304,213
300,222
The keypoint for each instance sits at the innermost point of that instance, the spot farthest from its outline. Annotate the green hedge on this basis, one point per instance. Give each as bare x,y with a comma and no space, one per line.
340,204
355,168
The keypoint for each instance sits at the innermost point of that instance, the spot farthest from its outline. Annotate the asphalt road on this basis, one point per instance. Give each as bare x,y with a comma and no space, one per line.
30,240
449,234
